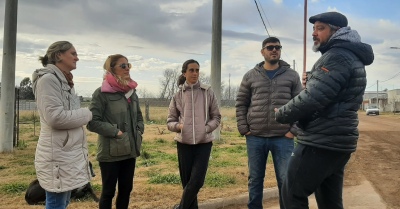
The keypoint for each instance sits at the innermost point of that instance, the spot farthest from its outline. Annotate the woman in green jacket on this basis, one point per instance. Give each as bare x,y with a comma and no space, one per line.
118,121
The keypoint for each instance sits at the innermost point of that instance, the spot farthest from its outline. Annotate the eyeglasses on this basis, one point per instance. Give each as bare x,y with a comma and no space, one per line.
272,47
125,65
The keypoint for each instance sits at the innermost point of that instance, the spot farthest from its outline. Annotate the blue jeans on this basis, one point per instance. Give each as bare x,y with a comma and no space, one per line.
57,200
257,150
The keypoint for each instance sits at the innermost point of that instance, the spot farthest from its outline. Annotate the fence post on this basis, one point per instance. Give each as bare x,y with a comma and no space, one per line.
147,110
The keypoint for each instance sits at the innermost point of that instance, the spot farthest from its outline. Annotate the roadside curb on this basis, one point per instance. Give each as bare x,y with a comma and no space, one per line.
269,193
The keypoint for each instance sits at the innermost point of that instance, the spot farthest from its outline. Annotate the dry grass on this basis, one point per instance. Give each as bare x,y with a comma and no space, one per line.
226,176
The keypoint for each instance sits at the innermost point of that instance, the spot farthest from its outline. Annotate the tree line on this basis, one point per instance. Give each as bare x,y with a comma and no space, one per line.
168,87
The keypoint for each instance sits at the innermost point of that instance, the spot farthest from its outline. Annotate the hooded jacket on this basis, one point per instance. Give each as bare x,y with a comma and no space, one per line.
61,159
259,95
196,107
327,108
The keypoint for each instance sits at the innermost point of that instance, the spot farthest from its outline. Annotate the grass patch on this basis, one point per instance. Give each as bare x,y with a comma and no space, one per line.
14,188
219,180
165,179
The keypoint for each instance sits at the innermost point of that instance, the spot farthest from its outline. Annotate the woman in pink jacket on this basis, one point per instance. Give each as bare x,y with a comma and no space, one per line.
194,115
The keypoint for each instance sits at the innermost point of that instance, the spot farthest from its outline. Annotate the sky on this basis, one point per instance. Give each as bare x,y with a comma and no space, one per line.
156,35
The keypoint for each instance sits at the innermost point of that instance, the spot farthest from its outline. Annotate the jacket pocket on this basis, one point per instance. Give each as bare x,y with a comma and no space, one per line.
120,146
138,141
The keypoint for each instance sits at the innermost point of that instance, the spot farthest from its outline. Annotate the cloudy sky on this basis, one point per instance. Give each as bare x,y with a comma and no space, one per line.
161,34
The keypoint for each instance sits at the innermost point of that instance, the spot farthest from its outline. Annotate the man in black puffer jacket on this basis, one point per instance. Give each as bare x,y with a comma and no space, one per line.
326,111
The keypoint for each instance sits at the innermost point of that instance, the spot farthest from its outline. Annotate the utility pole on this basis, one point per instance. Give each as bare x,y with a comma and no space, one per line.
216,55
305,37
377,94
8,77
294,65
229,90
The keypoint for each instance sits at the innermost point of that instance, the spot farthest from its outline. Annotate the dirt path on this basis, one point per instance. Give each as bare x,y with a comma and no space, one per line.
378,155
377,159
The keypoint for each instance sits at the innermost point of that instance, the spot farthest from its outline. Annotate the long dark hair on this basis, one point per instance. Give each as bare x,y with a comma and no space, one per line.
182,79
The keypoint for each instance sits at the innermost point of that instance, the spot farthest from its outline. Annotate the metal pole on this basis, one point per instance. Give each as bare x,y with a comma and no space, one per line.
305,37
8,77
377,94
294,65
216,54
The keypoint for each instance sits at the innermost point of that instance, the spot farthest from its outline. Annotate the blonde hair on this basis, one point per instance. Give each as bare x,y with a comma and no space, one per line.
109,65
53,52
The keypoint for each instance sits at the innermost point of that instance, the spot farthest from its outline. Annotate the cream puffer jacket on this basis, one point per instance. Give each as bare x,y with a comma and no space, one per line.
196,107
61,159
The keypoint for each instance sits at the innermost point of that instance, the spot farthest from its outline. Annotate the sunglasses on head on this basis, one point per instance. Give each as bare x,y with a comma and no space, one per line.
125,65
272,47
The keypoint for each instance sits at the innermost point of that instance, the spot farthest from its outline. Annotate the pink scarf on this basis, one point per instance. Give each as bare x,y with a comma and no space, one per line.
111,85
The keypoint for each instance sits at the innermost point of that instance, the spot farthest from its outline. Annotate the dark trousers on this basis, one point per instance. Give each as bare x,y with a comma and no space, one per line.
312,169
193,164
111,173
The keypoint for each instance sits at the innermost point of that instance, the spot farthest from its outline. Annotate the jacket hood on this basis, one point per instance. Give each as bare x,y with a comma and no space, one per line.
350,40
50,68
185,86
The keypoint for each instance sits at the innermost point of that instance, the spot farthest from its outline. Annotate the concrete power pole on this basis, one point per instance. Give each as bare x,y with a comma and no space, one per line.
8,77
377,93
216,54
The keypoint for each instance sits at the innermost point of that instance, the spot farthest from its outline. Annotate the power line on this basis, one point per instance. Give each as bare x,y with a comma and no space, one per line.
266,16
394,76
371,86
261,17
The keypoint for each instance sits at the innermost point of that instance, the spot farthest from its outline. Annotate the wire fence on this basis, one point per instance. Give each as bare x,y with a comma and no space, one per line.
26,109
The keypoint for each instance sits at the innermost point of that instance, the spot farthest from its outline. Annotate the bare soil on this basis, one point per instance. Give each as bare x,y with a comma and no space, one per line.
377,159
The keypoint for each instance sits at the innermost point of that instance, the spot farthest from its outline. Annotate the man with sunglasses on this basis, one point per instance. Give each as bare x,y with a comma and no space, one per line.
270,84
326,111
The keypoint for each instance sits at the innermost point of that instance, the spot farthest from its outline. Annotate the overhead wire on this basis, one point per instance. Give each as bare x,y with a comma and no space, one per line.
394,76
261,17
265,16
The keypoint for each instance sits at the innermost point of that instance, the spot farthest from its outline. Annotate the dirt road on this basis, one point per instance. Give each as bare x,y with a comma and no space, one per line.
377,159
378,156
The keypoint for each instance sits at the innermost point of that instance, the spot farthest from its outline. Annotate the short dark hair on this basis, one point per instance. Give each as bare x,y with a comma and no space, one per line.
270,40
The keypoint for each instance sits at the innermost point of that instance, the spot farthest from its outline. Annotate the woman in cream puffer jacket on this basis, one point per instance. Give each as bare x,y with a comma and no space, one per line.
61,159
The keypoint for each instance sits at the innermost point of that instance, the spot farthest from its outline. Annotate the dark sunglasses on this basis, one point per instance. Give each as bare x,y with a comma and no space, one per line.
272,47
125,65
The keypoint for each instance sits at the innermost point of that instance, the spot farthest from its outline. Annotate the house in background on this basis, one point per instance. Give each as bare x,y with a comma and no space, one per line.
370,97
393,100
388,100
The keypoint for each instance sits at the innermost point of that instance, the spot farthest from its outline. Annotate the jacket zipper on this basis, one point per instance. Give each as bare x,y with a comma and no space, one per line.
194,135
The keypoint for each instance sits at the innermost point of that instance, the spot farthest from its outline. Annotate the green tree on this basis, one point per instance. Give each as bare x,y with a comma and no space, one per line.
25,89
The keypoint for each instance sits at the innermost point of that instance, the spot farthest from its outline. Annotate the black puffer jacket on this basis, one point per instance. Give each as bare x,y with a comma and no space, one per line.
326,110
258,96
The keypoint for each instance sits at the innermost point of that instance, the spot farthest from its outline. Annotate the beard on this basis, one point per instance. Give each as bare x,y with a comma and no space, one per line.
273,62
315,47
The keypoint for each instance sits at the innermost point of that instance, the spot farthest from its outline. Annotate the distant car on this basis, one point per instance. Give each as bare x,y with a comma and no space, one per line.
372,110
